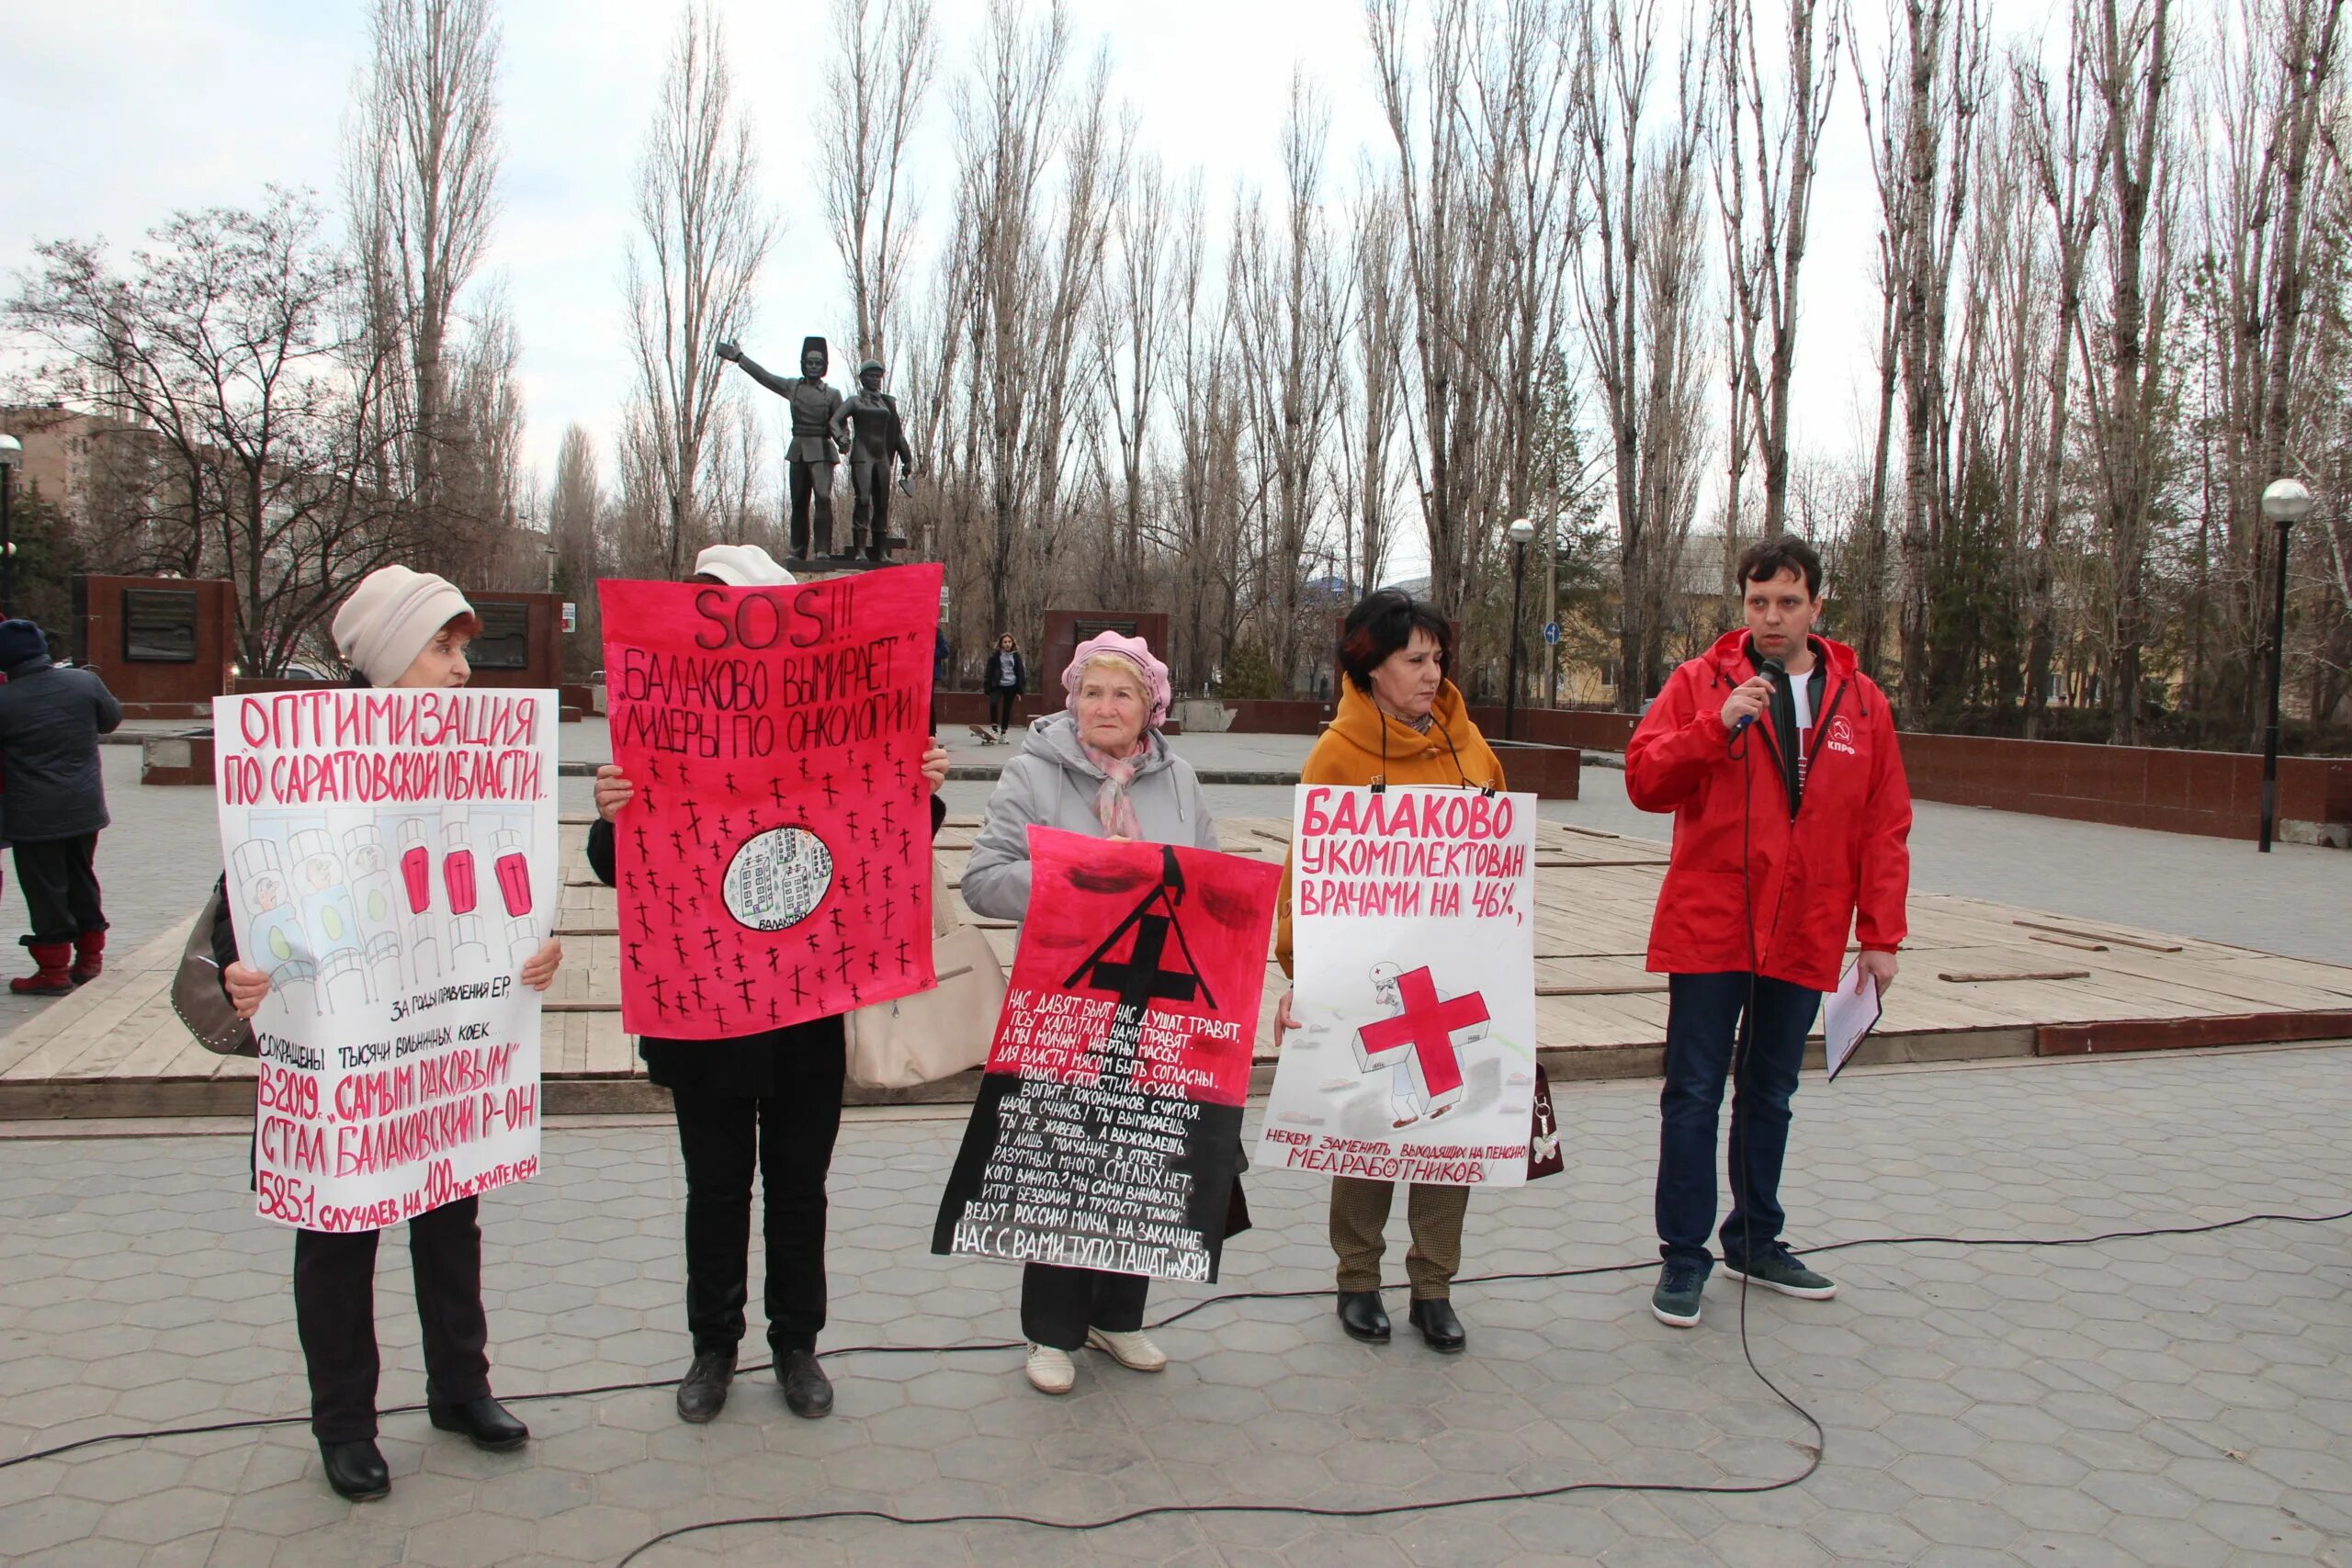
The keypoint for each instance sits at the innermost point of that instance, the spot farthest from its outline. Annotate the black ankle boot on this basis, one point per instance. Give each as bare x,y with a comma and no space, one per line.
1363,1317
703,1392
483,1420
1438,1324
355,1470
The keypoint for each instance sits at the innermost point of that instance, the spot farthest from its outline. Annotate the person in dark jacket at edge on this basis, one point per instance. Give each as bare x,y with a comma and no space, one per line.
1791,825
50,723
769,1099
408,630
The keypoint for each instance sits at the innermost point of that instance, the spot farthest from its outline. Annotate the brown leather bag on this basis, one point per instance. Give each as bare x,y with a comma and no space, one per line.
197,993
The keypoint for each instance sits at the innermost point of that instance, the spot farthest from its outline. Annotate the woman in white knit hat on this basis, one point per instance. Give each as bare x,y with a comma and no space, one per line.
768,1101
399,628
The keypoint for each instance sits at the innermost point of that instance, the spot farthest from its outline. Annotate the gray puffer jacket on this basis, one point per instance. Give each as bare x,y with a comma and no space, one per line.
1052,784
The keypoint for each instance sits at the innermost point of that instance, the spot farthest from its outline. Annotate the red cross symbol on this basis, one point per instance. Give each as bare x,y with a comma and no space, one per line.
1420,1039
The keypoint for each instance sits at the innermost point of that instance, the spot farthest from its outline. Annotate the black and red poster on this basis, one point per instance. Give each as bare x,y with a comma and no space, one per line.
775,860
1108,1122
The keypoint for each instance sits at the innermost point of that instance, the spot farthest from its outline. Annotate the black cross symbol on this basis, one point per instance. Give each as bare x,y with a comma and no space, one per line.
899,765
804,774
653,766
654,986
772,1011
680,943
830,791
797,994
730,782
874,962
906,843
646,795
836,913
701,885
744,988
629,882
694,818
710,940
776,957
874,835
677,843
851,819
902,955
775,788
842,955
639,831
861,873
633,960
695,985
886,877
866,770
739,965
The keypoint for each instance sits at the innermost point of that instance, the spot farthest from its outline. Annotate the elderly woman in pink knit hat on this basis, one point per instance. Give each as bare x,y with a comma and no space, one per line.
1102,768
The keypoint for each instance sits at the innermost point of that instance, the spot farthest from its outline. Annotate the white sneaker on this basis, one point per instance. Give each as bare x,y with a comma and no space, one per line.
1132,1351
1051,1371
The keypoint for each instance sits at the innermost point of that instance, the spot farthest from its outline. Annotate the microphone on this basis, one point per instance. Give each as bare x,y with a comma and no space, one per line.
1768,665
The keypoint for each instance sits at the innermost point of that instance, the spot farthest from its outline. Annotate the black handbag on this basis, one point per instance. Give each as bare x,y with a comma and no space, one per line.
198,995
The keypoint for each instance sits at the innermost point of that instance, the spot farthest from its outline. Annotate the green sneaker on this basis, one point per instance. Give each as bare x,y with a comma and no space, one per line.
1675,1303
1778,1270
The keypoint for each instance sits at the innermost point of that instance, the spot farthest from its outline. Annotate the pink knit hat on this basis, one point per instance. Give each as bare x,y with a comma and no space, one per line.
1135,651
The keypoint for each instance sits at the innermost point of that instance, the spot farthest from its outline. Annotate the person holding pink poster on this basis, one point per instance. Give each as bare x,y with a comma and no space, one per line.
759,1097
400,629
1103,768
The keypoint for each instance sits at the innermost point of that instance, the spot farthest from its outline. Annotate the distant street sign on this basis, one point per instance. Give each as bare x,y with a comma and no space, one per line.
1552,631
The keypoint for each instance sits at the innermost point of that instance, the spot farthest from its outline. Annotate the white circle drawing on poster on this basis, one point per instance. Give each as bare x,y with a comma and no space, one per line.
777,878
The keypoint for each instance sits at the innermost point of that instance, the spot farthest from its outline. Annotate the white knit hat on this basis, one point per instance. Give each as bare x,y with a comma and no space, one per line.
741,566
391,617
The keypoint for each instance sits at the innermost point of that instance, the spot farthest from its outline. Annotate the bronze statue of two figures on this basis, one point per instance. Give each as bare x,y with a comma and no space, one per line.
825,425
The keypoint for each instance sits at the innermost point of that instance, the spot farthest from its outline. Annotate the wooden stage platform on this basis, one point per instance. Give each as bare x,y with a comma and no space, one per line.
1979,980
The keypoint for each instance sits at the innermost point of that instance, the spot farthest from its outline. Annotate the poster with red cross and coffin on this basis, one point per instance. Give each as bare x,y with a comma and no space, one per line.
391,866
773,865
1413,955
1108,1122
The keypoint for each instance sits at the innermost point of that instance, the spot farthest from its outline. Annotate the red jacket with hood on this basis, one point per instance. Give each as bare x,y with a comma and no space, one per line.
1840,859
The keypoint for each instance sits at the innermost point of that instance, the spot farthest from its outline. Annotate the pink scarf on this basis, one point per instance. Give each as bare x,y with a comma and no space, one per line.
1111,806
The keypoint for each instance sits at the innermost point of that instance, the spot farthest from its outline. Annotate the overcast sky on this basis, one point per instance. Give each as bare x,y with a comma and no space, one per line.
122,112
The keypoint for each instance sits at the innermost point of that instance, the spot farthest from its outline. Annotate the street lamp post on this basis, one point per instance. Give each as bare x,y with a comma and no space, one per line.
12,453
1521,533
2285,503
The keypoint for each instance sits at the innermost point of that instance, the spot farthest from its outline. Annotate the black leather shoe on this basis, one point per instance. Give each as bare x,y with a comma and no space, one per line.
1363,1317
1438,1324
806,1389
702,1393
485,1420
355,1470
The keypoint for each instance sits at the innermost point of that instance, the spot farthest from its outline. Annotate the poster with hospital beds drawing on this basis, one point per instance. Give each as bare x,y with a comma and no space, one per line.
1413,953
391,866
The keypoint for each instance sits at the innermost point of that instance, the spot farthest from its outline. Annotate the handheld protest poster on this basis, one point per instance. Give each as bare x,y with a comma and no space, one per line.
390,860
1413,951
1107,1123
774,864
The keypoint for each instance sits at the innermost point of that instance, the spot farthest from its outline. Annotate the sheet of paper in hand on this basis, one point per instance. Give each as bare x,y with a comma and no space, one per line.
1106,1127
775,864
1413,947
391,866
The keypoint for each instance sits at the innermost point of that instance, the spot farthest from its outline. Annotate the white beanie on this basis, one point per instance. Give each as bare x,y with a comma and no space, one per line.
393,616
741,566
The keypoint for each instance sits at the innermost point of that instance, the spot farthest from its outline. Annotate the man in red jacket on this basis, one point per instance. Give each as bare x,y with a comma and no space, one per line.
1791,817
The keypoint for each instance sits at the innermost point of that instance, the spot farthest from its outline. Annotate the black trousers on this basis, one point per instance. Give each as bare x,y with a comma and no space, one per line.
59,879
1059,1305
1000,700
334,1311
812,488
788,1137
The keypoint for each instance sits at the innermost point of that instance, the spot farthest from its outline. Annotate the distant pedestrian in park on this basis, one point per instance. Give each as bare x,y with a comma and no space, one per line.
1401,721
1791,820
1102,769
409,630
51,720
1002,679
766,1103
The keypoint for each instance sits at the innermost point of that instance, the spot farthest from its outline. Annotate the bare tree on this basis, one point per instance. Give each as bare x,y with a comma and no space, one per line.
704,232
1131,341
875,89
234,339
1767,144
1639,281
2131,71
1378,325
421,186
